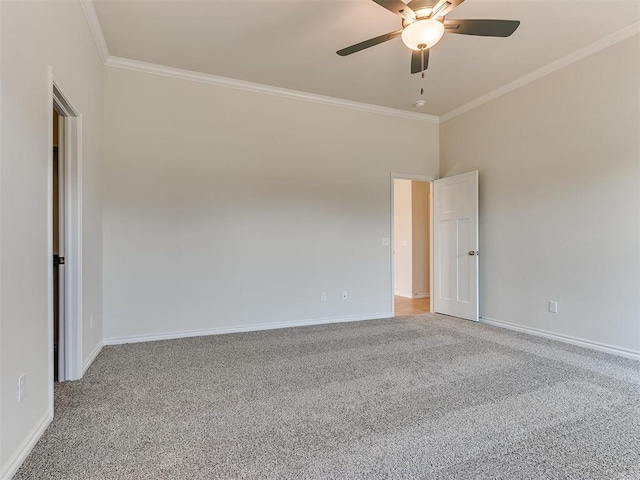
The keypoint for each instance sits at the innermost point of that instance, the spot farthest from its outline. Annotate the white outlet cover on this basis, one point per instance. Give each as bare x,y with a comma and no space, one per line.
386,241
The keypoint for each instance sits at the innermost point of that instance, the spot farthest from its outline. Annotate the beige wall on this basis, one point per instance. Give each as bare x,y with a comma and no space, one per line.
229,209
421,241
33,36
559,163
402,239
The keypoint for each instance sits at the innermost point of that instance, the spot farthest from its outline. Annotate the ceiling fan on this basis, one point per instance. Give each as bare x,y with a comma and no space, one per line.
423,24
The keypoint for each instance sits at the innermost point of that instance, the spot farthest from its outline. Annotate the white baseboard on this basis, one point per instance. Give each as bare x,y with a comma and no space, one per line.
421,295
92,357
242,328
602,347
14,462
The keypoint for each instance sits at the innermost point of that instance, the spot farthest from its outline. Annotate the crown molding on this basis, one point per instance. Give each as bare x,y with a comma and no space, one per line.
135,65
118,62
584,52
96,29
138,66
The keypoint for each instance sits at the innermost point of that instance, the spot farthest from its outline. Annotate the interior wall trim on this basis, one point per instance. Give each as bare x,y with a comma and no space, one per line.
96,30
602,347
23,451
138,66
584,52
243,328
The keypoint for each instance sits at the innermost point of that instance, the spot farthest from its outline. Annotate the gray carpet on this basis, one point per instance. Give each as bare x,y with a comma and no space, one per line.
417,397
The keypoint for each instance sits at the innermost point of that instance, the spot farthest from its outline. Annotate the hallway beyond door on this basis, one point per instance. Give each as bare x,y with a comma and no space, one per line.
411,306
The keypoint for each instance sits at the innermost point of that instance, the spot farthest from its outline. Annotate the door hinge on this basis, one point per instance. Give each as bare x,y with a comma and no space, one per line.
58,260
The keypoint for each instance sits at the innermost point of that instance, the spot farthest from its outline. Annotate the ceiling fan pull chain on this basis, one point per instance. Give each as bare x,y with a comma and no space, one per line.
422,68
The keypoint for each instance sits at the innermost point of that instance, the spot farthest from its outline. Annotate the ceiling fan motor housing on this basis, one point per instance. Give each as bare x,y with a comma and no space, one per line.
427,28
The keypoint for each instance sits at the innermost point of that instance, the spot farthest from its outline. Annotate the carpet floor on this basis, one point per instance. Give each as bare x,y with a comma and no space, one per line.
429,397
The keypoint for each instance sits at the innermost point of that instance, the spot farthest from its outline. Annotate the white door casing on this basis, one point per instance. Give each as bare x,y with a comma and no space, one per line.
70,156
62,242
455,246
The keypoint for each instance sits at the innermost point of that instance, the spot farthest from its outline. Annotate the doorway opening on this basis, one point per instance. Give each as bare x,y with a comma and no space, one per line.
64,243
411,245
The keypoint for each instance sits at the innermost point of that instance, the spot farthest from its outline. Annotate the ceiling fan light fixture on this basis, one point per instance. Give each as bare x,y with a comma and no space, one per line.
425,32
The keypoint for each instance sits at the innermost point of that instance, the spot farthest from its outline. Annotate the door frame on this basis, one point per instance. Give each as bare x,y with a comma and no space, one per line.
59,100
418,178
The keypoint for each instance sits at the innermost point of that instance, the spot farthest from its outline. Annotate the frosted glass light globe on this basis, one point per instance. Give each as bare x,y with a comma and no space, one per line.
422,32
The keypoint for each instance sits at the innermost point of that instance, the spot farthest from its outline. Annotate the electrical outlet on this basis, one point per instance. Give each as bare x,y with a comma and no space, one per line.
91,322
386,241
21,379
323,297
553,306
345,295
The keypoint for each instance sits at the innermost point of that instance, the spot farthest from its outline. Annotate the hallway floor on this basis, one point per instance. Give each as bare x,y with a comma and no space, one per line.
411,306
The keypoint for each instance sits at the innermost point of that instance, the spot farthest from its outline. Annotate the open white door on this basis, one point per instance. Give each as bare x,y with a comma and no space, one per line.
455,246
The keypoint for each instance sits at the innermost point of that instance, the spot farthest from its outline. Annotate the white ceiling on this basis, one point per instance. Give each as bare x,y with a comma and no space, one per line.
292,44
